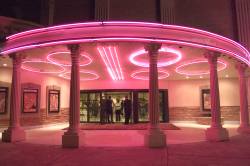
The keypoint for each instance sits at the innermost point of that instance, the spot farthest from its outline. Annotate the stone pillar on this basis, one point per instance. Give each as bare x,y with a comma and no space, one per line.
244,115
14,132
167,8
70,139
243,21
155,138
101,10
216,132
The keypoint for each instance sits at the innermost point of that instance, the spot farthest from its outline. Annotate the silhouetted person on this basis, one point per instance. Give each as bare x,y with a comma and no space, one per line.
118,110
127,105
109,109
103,116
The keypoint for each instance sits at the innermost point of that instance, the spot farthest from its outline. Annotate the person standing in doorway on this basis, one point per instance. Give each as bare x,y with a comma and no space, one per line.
109,109
127,105
103,112
118,108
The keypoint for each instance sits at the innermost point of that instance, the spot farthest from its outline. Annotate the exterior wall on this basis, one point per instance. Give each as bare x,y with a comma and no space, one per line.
213,15
42,116
183,95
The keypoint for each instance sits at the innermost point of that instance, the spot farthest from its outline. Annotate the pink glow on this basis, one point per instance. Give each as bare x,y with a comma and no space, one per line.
180,71
110,58
146,24
64,26
95,76
51,59
160,64
129,39
135,74
62,69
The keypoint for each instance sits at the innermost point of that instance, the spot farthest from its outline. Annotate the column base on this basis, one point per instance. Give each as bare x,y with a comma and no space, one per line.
13,135
217,134
155,138
70,140
244,130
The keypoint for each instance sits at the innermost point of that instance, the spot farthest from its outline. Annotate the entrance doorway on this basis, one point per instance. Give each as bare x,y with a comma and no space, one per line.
90,105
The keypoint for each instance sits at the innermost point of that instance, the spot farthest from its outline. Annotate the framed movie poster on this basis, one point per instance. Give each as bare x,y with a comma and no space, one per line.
206,101
54,100
3,99
30,100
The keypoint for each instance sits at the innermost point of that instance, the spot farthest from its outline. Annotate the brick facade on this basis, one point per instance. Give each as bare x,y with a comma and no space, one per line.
40,118
228,113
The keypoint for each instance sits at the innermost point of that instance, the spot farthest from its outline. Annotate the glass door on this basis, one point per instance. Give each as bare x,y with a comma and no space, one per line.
90,107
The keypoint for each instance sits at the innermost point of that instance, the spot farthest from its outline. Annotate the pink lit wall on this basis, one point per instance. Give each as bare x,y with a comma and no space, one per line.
182,93
43,80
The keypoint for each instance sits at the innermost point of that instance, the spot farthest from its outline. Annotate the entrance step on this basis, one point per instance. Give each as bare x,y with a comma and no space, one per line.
121,126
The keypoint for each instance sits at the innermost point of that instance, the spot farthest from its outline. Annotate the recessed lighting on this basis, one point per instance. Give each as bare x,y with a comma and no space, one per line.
201,76
187,77
227,75
4,64
60,75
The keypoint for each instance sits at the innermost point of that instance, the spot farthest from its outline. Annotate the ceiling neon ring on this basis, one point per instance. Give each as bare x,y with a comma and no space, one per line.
95,76
182,72
160,64
53,60
135,74
32,69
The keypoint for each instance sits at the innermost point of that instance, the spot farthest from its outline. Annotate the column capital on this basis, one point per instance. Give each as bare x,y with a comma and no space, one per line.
212,56
241,67
152,48
16,58
73,48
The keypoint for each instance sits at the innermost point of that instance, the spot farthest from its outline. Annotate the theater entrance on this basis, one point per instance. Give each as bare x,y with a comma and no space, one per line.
90,105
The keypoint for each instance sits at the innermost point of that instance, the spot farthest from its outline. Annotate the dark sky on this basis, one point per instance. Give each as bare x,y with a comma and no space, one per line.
22,9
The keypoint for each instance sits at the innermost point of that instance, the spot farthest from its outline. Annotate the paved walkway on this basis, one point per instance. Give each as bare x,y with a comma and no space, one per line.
186,147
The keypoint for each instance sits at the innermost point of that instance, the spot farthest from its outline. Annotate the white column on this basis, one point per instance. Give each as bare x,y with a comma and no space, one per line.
101,10
243,21
167,8
216,132
14,132
244,115
155,138
70,139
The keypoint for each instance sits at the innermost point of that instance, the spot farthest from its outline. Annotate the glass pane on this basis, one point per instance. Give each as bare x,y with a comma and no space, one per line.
83,107
94,107
143,106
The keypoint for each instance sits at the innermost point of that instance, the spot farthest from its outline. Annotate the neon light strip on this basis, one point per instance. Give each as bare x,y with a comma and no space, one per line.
133,75
116,55
110,64
159,64
110,58
62,69
247,61
49,58
114,64
128,23
106,64
178,69
95,76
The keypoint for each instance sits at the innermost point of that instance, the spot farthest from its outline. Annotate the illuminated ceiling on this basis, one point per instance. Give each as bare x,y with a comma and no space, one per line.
116,52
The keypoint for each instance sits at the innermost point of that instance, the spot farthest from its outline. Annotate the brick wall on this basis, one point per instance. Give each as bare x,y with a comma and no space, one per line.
229,113
40,118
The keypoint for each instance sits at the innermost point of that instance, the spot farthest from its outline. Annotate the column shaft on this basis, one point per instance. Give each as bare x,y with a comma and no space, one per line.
244,115
15,132
216,132
155,137
70,139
